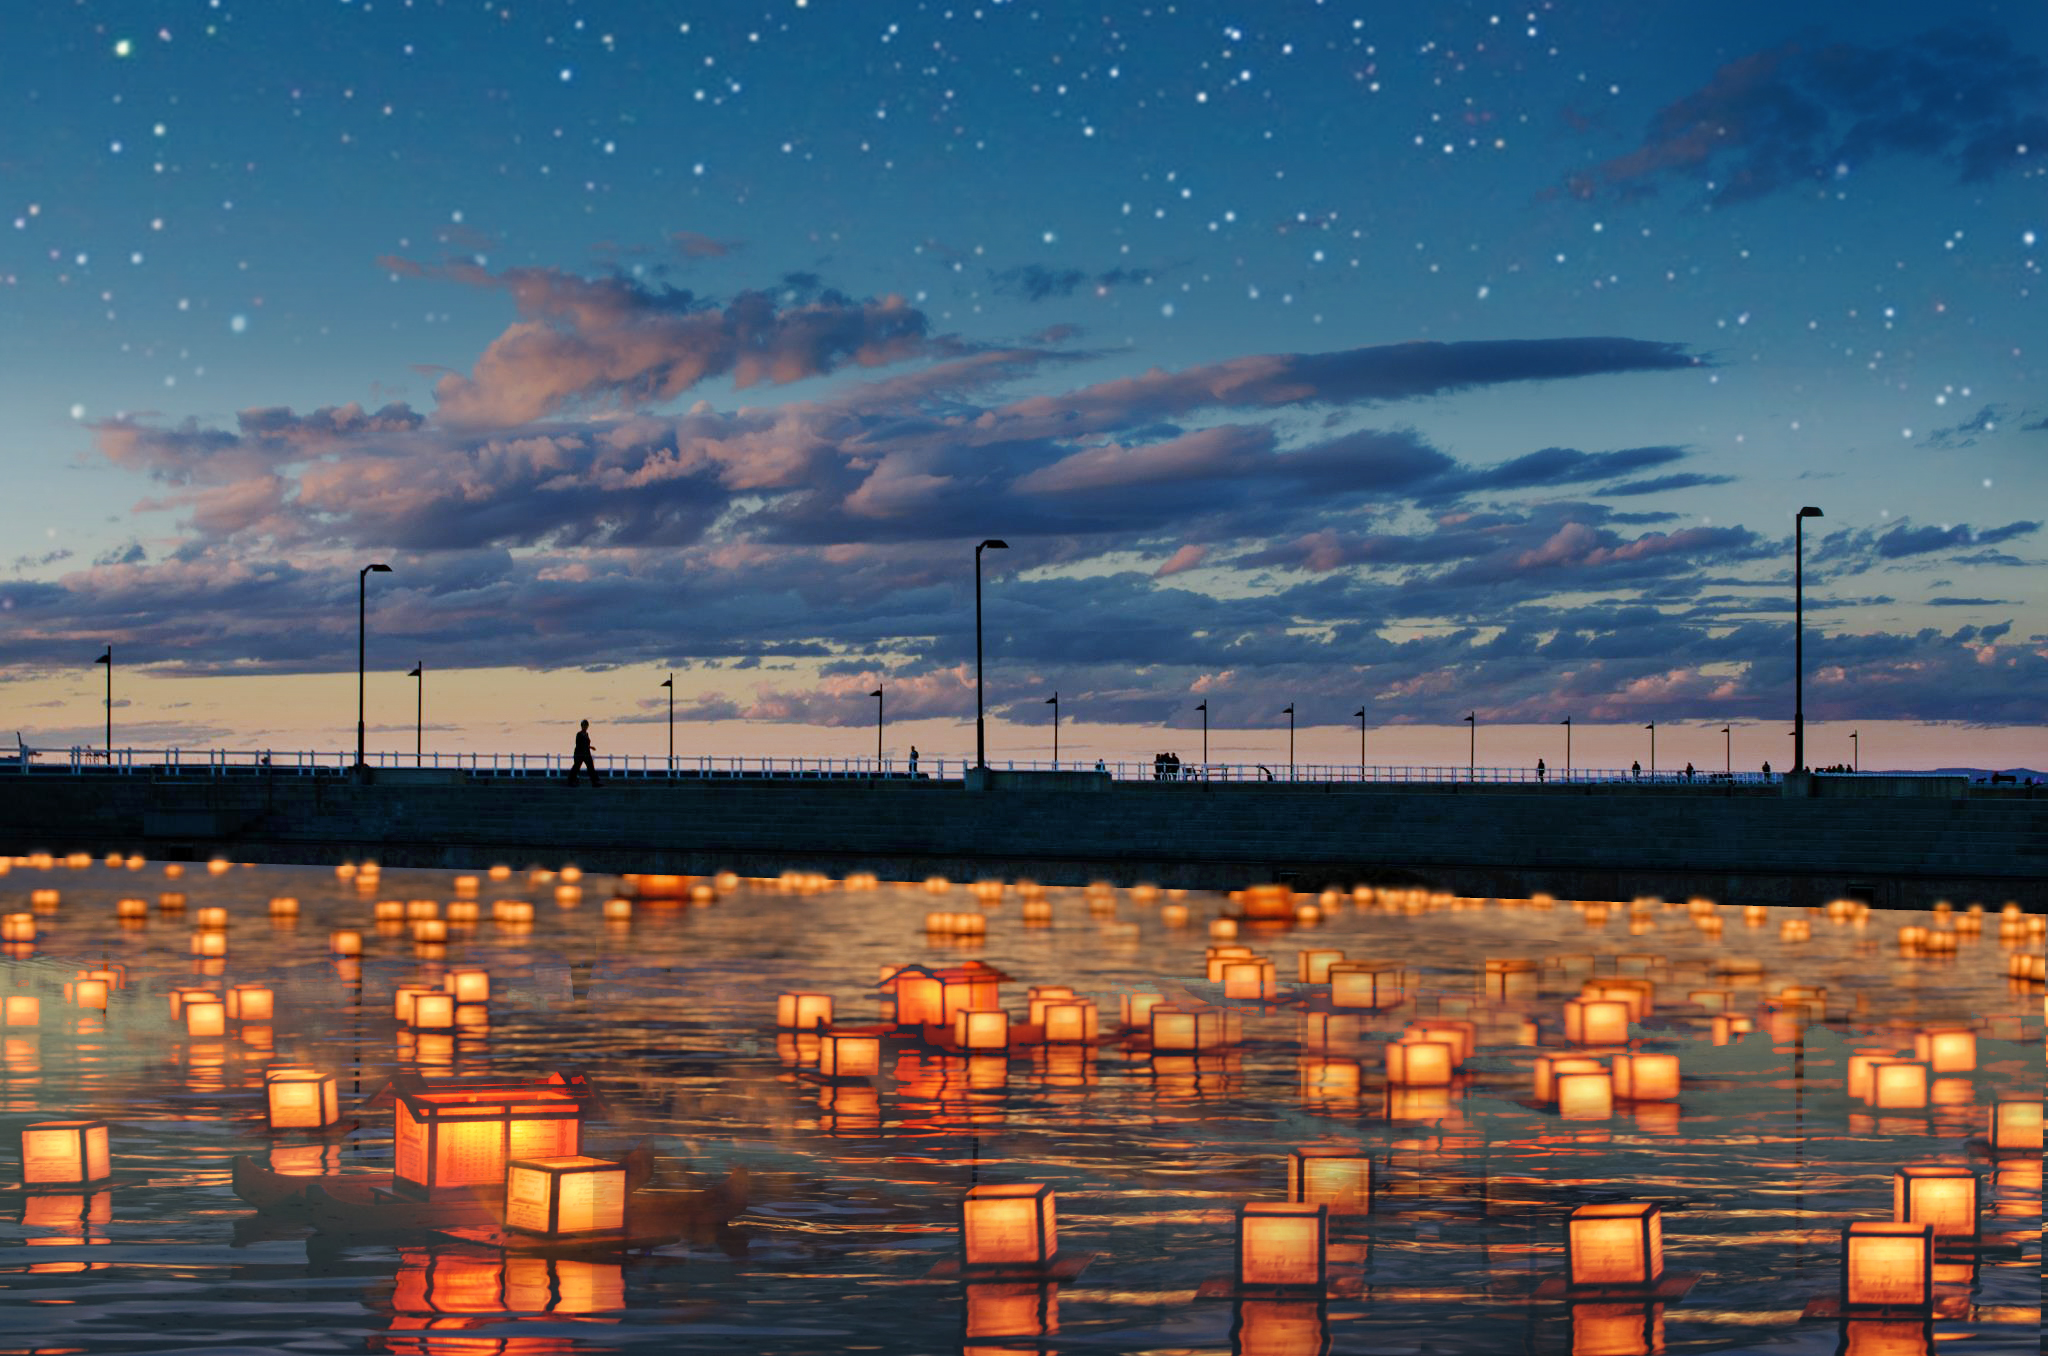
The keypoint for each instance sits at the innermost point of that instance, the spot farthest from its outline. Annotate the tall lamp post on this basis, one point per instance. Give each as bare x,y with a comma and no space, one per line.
1360,713
1472,749
1289,713
108,660
670,683
1727,751
980,724
1054,702
1204,709
877,695
1799,636
1567,723
1855,753
362,630
1652,728
419,716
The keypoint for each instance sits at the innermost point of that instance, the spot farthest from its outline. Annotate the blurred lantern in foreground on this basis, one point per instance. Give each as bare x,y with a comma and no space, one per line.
849,1056
18,927
27,1010
1645,1078
345,942
564,1195
1943,1198
1008,1225
1897,1085
1419,1062
1338,1178
449,1136
206,1017
1596,1021
1616,1244
981,1030
64,1153
2015,1124
250,1003
1887,1265
1947,1049
300,1099
1364,984
803,1011
1283,1244
1585,1096
468,986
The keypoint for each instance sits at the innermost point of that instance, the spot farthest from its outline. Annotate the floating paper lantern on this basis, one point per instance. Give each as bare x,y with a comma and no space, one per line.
1135,1009
27,1010
1187,1029
1596,1021
1340,1179
1947,1049
18,927
1943,1198
618,910
1616,1244
1897,1085
209,944
1223,928
65,1153
968,988
464,911
566,1195
1645,1078
920,999
1069,1023
981,1030
300,1099
1364,984
1549,1067
1887,1265
512,910
1009,1225
131,908
803,1011
449,1138
2015,1123
854,1056
88,993
1727,1027
1461,1035
1315,964
433,1010
1283,1244
430,930
402,997
206,1017
250,1003
1419,1062
1585,1096
183,995
170,901
1249,979
1174,915
284,906
468,986
213,917
43,899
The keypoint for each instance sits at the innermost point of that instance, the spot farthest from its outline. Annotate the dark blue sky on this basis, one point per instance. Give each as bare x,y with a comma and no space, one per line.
1441,356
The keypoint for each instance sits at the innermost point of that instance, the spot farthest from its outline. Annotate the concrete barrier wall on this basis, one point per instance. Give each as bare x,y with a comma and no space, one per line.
1731,844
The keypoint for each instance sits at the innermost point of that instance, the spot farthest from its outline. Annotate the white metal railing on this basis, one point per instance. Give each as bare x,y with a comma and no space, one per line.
644,767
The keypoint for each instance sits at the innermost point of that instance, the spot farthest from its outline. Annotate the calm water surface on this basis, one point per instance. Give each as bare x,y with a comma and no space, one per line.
854,1191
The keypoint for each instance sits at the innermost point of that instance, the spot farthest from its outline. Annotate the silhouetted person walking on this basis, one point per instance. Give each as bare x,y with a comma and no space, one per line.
913,762
584,748
1540,770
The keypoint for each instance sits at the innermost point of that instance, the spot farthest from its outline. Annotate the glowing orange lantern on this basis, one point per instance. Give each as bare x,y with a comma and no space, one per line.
214,918
2015,1124
850,1056
206,1017
345,943
389,910
27,1010
1249,979
1897,1085
1887,1265
1616,1244
568,1194
1645,1078
18,927
89,993
1548,1067
803,1011
1727,1027
1070,1023
1943,1198
209,944
250,1003
300,1099
1947,1049
182,996
403,996
450,1137
1585,1096
1136,1008
618,910
1364,984
1315,964
1010,1225
1596,1021
171,901
131,908
284,906
981,1030
468,986
429,930
433,1011
920,998
1325,1175
1419,1062
1283,1244
65,1153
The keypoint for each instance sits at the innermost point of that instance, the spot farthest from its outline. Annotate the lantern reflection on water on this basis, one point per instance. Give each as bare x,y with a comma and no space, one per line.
1616,1244
65,1153
1282,1244
1326,1175
1008,1225
1617,1329
458,1284
1281,1327
1004,1311
565,1194
1943,1198
1887,1265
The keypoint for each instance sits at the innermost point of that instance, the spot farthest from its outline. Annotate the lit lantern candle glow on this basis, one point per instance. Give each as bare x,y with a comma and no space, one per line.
206,1017
1596,1021
250,1003
65,1153
468,986
449,1138
1338,1178
1946,1049
1364,984
1943,1198
1008,1225
981,1030
803,1011
1897,1085
1420,1063
433,1011
1887,1265
849,1056
1136,1008
1645,1078
1585,1096
1549,1067
1314,964
1283,1244
345,942
300,1099
1070,1023
27,1010
563,1195
1616,1244
2015,1123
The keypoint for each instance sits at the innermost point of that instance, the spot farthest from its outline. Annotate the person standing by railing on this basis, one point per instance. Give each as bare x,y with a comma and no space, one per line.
583,756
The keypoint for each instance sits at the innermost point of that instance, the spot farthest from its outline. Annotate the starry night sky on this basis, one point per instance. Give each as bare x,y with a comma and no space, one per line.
1427,359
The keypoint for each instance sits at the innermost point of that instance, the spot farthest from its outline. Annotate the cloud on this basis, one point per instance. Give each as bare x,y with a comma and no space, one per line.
1685,480
1963,435
131,554
695,245
1905,540
1801,115
2038,426
1554,466
1946,601
1186,558
1035,282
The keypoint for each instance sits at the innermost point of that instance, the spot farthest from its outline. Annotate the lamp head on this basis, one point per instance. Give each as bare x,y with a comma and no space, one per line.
876,693
1360,713
1289,711
415,670
669,681
1053,700
993,545
1203,707
378,568
1811,512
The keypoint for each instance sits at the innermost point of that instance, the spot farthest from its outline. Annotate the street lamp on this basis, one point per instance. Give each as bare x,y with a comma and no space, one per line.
1054,702
108,660
1727,751
670,683
1799,636
1204,709
1567,723
1360,713
877,695
1472,749
419,718
1652,728
980,725
1289,713
362,629
1855,753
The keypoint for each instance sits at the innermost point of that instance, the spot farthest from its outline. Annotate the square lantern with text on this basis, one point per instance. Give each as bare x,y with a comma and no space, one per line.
1944,1198
449,1140
1326,1175
1283,1244
2015,1125
1887,1265
65,1153
300,1099
1009,1225
568,1194
1617,1243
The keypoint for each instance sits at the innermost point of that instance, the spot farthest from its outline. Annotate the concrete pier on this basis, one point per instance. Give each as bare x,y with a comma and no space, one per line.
1795,845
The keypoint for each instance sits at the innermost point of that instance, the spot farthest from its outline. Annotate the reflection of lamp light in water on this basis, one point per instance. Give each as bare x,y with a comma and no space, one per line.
1887,1265
1617,1329
1280,1327
1282,1244
1944,1198
999,1310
